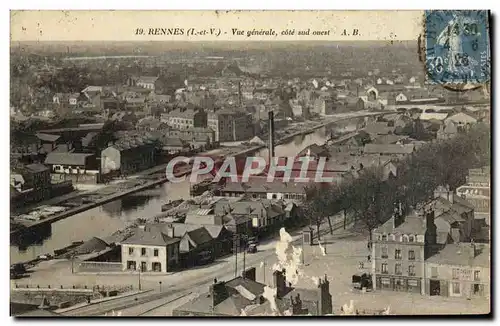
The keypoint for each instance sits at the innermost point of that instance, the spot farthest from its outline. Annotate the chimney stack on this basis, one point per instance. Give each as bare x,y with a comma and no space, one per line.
325,298
218,293
473,250
271,136
249,274
279,281
297,305
170,230
398,216
239,94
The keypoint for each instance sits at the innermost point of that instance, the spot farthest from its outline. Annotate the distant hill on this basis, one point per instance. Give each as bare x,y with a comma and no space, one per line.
161,47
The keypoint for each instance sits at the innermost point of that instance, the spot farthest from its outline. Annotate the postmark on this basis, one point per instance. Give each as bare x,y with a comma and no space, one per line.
457,48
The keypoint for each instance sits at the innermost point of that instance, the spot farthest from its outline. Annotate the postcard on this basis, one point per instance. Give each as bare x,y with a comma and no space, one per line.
250,163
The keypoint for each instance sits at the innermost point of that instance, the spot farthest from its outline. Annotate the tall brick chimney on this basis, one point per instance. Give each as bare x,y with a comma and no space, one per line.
279,282
325,298
271,136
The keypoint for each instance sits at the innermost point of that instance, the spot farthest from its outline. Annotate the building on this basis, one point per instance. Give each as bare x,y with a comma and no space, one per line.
324,105
453,214
196,136
128,155
49,142
477,192
32,181
399,251
221,238
148,82
244,296
184,118
71,163
150,251
258,187
459,270
462,120
447,130
231,126
265,215
397,150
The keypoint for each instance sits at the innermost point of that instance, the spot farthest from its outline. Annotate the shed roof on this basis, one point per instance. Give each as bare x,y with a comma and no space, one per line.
67,158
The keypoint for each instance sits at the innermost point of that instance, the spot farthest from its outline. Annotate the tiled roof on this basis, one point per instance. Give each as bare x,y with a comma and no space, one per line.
149,238
199,236
67,158
147,79
37,167
388,148
460,254
47,137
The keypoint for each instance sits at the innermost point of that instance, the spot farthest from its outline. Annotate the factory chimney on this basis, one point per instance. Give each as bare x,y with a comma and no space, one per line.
239,93
271,136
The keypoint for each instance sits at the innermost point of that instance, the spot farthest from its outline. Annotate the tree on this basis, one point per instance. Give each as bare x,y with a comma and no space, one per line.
370,198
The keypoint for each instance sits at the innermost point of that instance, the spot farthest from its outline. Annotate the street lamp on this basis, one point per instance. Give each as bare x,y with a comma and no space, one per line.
72,263
139,270
245,239
160,285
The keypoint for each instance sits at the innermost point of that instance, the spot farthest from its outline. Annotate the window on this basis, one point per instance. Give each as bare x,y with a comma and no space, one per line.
454,273
384,268
405,238
411,238
434,272
131,265
384,252
456,288
397,254
155,252
397,269
130,251
411,255
393,237
411,270
156,267
476,276
143,251
384,237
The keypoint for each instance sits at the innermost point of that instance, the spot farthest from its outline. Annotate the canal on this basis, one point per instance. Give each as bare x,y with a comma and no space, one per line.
102,221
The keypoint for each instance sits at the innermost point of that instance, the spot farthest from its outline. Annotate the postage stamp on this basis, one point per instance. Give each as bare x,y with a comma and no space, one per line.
457,47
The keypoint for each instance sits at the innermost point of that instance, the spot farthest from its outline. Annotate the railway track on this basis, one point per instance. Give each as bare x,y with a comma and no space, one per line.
164,303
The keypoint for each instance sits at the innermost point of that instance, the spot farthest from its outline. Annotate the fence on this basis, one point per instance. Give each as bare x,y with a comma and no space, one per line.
94,266
79,288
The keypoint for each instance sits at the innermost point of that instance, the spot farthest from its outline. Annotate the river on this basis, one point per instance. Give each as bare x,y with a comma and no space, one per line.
102,221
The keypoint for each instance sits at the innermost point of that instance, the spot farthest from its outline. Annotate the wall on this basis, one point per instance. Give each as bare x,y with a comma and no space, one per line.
76,178
149,258
110,160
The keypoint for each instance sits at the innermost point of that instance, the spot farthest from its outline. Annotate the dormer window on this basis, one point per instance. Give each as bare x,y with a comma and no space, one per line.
411,238
384,237
405,238
393,237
